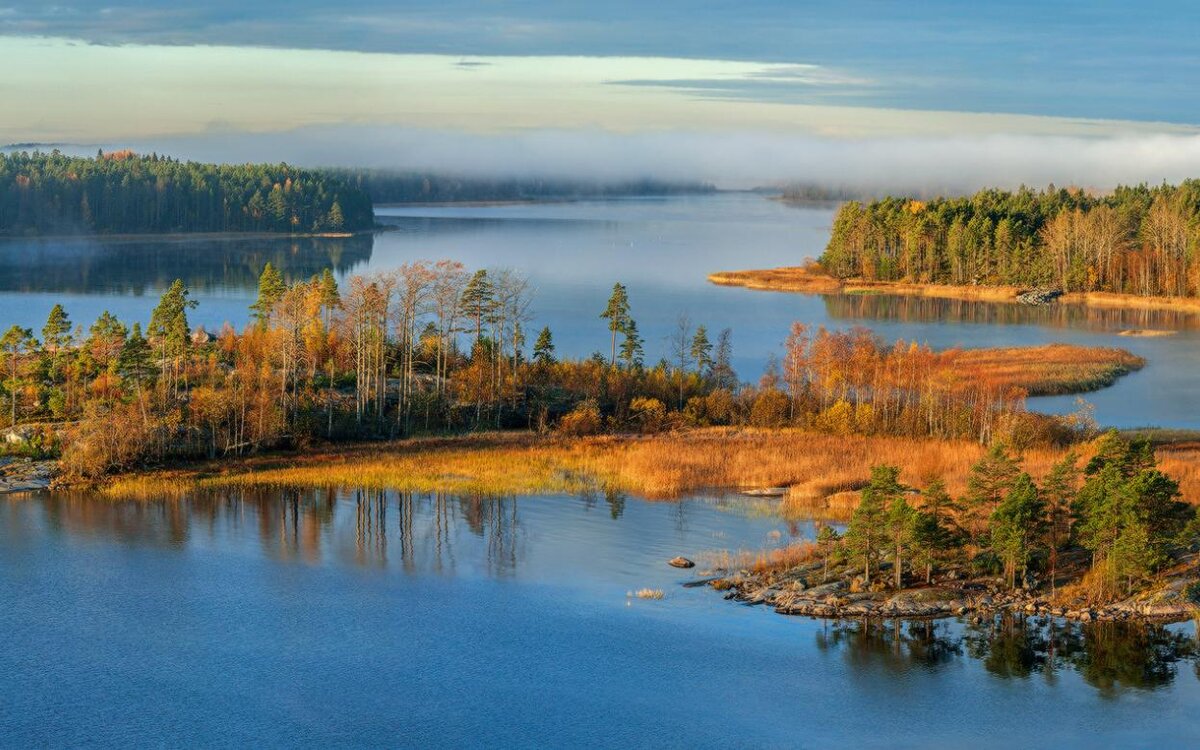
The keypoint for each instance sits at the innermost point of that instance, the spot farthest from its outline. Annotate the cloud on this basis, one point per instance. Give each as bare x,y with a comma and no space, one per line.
729,159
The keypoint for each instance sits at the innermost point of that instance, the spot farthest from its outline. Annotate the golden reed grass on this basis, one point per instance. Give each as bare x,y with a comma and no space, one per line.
822,472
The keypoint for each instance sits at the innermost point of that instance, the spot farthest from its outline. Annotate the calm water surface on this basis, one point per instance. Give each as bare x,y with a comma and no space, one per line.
323,619
661,248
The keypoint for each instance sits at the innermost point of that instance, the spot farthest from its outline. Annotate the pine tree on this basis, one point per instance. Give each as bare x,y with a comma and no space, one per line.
1058,491
702,350
617,315
56,334
169,328
989,480
478,301
866,536
1017,525
15,343
271,288
900,519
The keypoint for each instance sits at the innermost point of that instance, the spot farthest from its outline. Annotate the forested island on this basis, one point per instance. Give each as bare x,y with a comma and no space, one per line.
122,192
1138,240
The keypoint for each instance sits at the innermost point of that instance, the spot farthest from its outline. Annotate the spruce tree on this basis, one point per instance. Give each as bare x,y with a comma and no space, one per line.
1017,525
543,347
631,346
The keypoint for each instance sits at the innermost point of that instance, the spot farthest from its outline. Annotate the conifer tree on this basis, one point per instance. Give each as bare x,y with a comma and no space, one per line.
15,343
702,350
866,536
543,347
56,334
271,288
617,315
631,346
1017,525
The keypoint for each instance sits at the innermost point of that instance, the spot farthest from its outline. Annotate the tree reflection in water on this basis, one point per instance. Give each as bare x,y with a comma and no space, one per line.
1112,657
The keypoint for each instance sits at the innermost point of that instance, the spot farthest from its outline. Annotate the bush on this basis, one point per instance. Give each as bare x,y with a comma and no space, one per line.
650,414
770,409
584,419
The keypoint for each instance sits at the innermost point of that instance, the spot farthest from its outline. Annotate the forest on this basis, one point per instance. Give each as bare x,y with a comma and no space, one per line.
123,192
397,186
1139,240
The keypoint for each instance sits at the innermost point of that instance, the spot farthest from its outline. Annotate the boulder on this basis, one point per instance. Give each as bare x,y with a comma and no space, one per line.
680,562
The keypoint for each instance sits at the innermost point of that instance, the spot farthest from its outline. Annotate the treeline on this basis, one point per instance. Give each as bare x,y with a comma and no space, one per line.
1137,240
124,192
1118,509
392,186
431,347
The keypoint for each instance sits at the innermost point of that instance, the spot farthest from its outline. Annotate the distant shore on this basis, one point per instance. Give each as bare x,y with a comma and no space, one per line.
181,236
806,280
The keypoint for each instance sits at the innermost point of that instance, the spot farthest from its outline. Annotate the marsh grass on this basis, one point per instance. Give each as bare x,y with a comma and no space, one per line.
1050,370
823,472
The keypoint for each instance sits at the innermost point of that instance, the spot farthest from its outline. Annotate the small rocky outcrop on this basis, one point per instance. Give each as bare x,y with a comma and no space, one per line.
25,474
681,562
1039,296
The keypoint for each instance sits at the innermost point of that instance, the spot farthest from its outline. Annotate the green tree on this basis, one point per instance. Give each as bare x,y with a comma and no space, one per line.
271,288
478,301
169,329
987,484
1058,491
900,520
543,347
1017,525
631,346
337,220
617,315
14,345
56,334
866,535
702,350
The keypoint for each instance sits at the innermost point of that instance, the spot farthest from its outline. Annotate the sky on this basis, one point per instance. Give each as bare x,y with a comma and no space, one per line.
936,93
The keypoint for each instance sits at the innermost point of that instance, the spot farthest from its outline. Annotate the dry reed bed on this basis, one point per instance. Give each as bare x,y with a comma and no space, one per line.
1048,370
822,472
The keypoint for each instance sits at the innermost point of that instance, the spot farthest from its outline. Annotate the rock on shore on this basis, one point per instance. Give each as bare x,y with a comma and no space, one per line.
25,474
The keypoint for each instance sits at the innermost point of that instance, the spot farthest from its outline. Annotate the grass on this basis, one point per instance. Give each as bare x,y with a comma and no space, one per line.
1049,370
822,472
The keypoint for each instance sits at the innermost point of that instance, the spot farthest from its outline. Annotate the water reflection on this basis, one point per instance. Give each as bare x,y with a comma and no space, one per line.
90,266
905,309
1112,657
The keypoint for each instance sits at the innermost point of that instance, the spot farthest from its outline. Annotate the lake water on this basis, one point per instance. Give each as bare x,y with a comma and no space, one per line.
349,619
376,619
661,248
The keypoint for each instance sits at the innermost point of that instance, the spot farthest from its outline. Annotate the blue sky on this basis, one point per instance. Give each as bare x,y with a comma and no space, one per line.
778,69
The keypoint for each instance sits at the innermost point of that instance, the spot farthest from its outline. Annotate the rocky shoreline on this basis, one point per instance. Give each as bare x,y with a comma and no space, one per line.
25,474
789,593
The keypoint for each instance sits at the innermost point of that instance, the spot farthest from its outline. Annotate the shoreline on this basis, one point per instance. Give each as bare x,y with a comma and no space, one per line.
1167,601
806,281
184,236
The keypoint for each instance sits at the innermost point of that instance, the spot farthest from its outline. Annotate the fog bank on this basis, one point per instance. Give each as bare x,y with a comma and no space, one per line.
726,159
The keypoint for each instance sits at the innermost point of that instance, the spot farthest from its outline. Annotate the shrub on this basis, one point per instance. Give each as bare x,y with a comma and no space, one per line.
584,419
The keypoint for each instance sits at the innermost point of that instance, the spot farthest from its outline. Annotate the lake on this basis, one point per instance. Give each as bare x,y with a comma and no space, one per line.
661,248
377,619
289,618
